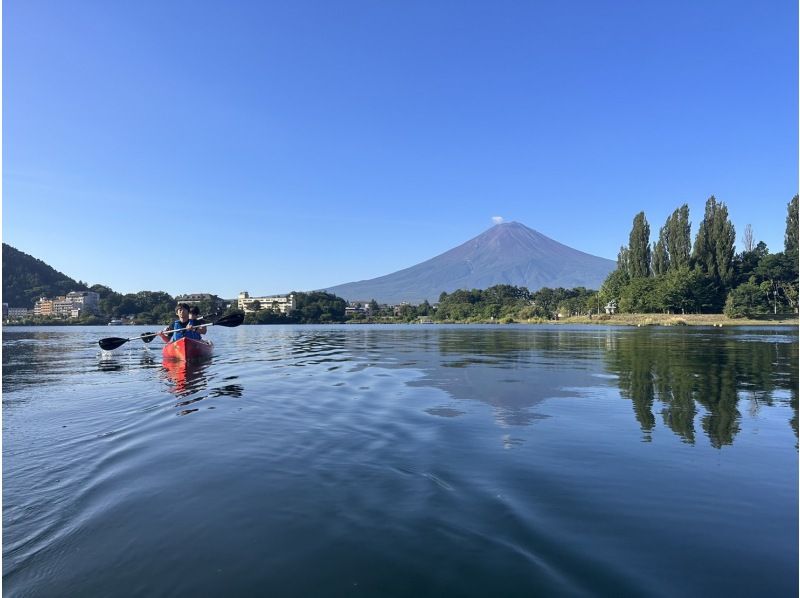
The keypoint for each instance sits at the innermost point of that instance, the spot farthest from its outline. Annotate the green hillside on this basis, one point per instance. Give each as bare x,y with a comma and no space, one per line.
26,278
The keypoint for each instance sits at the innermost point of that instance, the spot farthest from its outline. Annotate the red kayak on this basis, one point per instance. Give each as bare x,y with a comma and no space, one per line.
187,349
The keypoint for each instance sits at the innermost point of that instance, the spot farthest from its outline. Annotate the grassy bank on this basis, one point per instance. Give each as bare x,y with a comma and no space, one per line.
681,320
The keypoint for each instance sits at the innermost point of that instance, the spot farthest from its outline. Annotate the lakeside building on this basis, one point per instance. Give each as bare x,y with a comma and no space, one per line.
86,301
358,307
14,313
62,307
280,303
352,310
43,307
71,305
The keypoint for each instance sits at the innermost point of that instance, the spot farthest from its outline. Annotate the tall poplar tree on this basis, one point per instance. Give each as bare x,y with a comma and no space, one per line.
790,238
660,257
713,246
639,248
748,241
623,261
678,238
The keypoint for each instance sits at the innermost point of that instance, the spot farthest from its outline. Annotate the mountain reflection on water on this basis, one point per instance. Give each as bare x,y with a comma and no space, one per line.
512,369
678,374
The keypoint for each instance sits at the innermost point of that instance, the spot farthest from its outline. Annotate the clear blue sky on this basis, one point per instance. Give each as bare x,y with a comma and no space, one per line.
275,146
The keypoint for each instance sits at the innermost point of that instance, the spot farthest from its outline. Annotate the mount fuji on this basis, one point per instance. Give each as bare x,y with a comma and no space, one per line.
508,253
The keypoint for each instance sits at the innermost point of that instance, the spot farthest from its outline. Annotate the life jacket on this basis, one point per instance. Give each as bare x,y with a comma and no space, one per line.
193,333
177,324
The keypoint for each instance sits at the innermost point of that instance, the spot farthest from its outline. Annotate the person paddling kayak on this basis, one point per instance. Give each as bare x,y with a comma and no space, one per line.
173,332
196,321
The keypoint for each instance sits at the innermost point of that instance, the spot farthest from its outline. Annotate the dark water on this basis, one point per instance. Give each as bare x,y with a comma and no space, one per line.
403,461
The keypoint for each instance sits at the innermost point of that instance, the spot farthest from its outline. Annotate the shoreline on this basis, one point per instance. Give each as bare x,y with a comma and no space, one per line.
638,320
714,320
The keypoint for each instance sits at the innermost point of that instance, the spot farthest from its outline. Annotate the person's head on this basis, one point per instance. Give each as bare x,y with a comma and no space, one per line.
182,311
194,312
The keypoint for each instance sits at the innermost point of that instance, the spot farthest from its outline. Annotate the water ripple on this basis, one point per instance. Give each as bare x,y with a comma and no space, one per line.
401,461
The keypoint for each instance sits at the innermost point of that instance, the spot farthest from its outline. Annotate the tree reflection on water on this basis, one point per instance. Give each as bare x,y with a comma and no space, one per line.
711,372
691,378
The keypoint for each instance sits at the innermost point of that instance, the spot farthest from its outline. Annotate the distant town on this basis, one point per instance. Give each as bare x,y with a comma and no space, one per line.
78,304
73,305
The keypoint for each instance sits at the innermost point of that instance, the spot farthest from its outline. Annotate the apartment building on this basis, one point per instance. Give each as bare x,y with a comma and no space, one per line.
85,301
17,313
43,307
71,305
62,307
281,303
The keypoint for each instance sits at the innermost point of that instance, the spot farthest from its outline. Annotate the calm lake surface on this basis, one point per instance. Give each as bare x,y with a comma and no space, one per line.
403,461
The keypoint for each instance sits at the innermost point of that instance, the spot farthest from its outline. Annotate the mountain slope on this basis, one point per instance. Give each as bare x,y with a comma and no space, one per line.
508,253
26,278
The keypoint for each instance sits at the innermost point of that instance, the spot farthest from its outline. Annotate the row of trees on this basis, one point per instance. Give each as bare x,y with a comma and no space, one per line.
672,275
500,303
144,307
506,303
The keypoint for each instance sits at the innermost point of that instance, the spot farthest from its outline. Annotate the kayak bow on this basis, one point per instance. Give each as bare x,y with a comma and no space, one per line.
187,349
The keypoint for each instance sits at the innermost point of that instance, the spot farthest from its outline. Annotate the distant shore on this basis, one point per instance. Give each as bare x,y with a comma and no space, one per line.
681,320
716,320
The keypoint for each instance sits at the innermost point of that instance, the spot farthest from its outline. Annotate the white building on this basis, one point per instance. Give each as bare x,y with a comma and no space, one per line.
16,313
85,301
352,310
62,307
280,303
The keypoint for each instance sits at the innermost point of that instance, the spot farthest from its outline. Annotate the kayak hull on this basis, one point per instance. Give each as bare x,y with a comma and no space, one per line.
187,349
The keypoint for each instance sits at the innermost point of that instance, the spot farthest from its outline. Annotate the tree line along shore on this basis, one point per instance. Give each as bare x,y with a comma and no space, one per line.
674,276
502,304
669,282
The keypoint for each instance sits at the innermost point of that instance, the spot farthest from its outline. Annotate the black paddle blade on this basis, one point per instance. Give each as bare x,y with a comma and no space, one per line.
148,336
230,321
109,344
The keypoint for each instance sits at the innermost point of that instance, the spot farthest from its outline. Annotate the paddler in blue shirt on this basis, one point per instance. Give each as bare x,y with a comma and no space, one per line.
174,331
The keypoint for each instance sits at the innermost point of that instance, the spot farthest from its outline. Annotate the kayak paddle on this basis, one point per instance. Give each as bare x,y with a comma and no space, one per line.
111,343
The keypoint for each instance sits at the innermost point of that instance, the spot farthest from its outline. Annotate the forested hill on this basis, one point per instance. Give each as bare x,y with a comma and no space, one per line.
26,278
